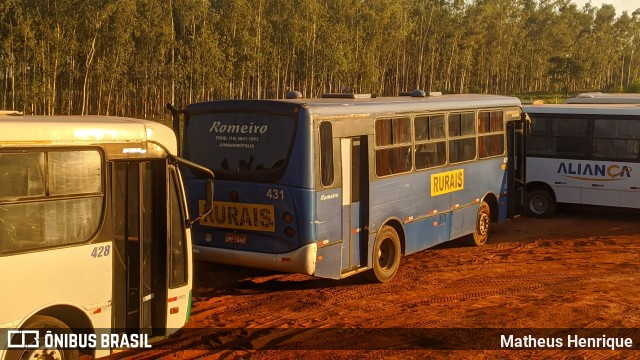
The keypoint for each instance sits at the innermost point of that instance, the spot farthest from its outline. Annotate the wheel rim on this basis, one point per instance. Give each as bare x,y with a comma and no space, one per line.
386,254
538,205
483,224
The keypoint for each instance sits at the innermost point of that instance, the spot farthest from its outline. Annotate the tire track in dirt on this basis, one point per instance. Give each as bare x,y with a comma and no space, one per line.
297,314
510,279
227,306
326,298
517,283
481,262
480,294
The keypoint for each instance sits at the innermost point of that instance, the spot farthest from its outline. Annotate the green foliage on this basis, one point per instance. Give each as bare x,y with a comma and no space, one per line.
123,57
633,87
563,70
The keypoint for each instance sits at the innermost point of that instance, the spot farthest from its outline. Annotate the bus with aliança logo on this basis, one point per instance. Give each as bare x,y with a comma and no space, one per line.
94,234
348,183
582,154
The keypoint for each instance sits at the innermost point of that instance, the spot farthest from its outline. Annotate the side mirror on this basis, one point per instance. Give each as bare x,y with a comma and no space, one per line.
203,173
208,205
175,115
527,123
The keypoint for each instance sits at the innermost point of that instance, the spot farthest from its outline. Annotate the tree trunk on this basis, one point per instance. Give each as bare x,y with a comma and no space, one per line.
92,51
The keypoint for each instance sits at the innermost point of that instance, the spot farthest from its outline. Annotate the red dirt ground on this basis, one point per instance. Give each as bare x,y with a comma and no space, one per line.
576,270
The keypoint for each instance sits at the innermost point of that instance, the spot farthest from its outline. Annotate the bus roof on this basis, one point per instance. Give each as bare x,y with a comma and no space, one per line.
376,105
604,98
65,129
584,109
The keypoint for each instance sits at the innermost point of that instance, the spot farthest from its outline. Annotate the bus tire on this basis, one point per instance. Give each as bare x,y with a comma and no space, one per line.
483,223
386,255
44,323
540,204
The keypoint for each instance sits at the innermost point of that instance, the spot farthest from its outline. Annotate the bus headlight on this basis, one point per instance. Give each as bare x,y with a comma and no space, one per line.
208,237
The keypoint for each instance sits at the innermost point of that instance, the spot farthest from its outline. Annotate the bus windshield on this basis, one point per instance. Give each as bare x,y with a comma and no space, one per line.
241,145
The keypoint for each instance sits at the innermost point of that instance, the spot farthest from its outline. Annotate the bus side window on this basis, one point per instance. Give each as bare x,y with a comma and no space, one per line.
614,138
571,136
634,146
600,148
462,140
430,148
21,177
540,142
30,219
178,266
326,153
394,136
490,133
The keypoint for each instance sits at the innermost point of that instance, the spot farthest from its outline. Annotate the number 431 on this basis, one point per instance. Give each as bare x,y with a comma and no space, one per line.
275,194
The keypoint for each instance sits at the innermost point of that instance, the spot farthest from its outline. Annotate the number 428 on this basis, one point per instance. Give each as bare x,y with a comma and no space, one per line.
100,251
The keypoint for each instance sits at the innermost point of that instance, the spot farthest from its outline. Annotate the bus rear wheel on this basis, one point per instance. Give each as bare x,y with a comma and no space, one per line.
483,222
540,204
44,323
386,255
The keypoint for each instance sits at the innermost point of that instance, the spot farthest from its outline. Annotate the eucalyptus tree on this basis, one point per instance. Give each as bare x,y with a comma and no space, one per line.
10,13
114,61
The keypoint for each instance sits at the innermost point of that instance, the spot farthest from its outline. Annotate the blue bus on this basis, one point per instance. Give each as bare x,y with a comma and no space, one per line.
348,183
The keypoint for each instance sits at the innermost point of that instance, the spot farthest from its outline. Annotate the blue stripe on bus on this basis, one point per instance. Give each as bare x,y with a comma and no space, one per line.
320,216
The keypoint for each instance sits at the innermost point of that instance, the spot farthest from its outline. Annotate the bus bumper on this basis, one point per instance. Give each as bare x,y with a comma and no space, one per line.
300,261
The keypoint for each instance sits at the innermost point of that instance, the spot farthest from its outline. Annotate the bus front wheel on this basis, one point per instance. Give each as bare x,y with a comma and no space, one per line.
483,223
540,204
43,323
386,255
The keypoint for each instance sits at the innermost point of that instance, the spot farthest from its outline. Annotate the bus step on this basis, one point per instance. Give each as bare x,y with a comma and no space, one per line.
354,271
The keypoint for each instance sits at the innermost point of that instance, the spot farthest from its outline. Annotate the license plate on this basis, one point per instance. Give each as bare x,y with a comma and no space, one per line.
232,215
235,238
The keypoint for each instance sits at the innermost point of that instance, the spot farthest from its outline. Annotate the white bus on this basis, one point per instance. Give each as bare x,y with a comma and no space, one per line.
604,98
94,231
582,154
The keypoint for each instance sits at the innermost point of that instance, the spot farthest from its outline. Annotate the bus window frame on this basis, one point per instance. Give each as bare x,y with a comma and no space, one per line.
444,139
320,155
173,174
608,118
462,137
377,147
492,133
47,198
587,118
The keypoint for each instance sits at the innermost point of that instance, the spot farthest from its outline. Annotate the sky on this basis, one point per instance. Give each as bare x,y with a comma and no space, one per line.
629,5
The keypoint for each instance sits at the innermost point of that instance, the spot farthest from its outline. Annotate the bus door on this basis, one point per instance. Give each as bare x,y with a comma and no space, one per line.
516,175
140,251
355,202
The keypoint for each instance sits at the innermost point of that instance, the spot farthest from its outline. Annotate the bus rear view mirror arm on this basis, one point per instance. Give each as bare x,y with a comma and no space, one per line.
175,116
208,206
527,119
203,173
